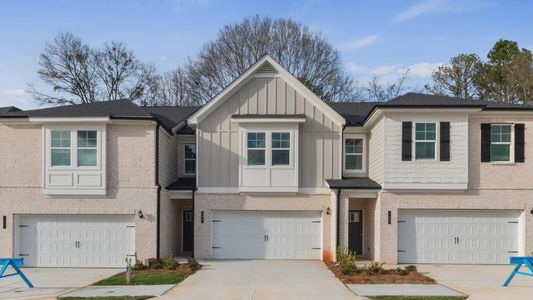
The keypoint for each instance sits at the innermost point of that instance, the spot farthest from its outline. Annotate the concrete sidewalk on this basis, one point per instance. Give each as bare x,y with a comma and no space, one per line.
120,290
402,290
50,282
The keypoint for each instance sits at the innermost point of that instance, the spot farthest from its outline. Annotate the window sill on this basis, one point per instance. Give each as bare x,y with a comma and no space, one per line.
503,163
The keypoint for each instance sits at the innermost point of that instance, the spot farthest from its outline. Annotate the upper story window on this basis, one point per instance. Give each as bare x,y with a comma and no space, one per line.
500,142
425,140
256,148
190,159
60,148
281,148
87,148
354,154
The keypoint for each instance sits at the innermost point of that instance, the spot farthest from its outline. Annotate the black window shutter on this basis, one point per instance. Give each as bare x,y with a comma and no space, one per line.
407,132
445,141
519,143
485,142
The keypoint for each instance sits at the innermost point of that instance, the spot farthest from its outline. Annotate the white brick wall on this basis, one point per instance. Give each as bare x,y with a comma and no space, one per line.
426,171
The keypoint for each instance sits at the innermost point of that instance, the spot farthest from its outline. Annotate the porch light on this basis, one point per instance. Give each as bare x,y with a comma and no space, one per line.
140,214
328,211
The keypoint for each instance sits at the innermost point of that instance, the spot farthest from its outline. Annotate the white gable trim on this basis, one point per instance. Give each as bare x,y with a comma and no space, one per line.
203,112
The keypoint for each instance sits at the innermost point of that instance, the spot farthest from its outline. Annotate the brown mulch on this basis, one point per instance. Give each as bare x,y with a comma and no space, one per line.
183,268
388,276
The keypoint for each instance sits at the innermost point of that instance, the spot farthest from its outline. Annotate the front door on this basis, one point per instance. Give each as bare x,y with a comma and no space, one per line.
355,231
187,230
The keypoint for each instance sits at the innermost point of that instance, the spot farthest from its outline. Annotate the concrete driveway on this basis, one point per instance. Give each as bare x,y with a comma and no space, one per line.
481,281
261,279
50,282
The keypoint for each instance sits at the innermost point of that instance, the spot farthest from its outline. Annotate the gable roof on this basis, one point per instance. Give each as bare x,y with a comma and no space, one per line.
268,63
170,116
8,109
354,112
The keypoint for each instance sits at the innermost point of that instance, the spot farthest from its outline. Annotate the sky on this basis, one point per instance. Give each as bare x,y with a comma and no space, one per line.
380,38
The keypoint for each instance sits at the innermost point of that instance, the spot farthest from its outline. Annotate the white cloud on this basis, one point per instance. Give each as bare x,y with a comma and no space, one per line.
362,42
15,97
423,69
385,70
421,8
355,68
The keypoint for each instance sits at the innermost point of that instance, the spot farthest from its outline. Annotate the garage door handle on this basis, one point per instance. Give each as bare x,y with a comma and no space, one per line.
265,238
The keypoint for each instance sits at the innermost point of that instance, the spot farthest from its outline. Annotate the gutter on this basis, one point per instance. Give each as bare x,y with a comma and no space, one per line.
158,211
338,218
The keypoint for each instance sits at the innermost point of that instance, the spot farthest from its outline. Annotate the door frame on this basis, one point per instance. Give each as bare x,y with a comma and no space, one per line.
183,210
363,236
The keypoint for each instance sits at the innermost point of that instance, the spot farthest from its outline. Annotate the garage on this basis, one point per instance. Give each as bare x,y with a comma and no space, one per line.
266,235
458,236
75,240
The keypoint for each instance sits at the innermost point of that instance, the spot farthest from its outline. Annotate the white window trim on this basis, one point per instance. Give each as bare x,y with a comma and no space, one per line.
185,159
73,147
510,143
437,141
364,158
268,149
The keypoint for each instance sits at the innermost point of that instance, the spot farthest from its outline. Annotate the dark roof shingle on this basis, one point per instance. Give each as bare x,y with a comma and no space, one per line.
360,183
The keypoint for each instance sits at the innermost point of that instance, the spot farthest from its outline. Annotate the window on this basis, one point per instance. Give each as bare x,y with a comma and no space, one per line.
60,148
281,146
87,147
256,148
190,159
353,150
500,142
425,140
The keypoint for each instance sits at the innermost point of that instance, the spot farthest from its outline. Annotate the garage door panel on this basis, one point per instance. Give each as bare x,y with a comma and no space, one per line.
75,240
457,236
266,235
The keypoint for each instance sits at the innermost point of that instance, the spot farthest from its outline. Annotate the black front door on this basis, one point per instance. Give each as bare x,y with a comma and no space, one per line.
355,231
187,230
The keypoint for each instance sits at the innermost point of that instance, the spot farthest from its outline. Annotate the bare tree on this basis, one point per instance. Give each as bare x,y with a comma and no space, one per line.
305,54
78,74
460,78
520,74
377,90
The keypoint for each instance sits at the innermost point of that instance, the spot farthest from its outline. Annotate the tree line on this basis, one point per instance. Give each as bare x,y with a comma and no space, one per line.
74,72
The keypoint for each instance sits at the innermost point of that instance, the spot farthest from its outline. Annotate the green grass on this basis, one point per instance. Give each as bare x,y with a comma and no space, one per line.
107,298
416,297
145,277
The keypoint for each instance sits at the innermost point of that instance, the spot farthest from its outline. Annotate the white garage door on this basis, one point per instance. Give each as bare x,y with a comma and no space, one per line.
457,236
75,240
266,235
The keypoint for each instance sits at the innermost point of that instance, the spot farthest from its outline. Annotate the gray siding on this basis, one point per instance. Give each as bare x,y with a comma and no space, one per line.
218,137
376,152
167,158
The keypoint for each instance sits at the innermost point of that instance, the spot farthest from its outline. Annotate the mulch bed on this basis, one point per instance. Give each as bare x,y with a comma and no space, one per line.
387,276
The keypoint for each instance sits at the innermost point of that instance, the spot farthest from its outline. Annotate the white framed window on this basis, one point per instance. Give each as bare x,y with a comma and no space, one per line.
87,148
60,148
189,158
425,141
281,148
256,145
354,147
501,143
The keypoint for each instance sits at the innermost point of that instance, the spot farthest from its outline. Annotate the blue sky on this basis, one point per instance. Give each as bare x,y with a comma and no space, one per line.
375,37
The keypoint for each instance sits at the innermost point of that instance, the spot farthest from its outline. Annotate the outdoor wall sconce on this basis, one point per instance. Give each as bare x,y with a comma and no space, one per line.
531,211
328,211
140,214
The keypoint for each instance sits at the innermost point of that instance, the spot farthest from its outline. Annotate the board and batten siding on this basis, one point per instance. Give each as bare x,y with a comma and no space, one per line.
218,137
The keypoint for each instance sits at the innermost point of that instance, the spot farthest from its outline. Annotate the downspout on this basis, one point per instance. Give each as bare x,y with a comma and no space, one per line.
158,211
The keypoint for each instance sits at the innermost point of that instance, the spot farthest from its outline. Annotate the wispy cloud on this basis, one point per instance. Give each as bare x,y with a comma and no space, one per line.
15,97
362,42
421,8
355,68
421,69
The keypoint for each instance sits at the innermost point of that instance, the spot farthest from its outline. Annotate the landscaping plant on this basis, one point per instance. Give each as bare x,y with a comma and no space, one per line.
410,268
373,268
346,259
193,263
169,262
139,266
401,272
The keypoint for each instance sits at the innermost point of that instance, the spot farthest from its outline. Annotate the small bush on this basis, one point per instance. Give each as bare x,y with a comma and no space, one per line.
169,262
139,266
193,263
400,271
346,259
410,268
373,268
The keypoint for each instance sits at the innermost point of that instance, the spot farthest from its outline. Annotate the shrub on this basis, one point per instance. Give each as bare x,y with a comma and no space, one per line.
410,268
169,262
373,268
400,271
193,263
139,266
346,259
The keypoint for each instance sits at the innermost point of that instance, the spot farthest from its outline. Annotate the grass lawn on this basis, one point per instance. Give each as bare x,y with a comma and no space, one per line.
148,277
416,297
107,298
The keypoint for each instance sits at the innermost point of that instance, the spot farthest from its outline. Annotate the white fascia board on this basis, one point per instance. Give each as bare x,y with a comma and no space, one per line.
268,120
300,87
425,186
70,120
